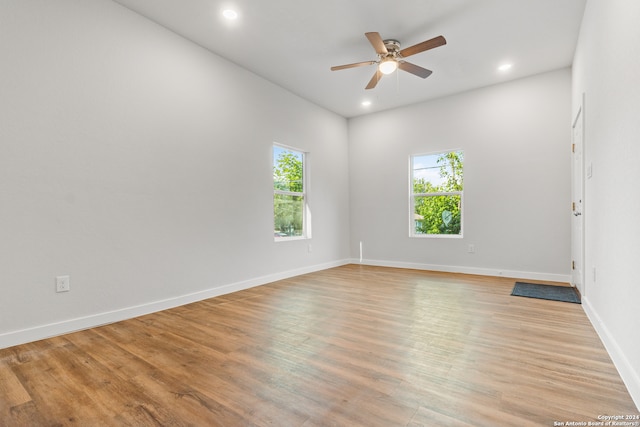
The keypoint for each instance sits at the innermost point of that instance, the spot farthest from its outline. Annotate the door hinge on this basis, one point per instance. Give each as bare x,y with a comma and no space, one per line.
573,265
573,206
573,148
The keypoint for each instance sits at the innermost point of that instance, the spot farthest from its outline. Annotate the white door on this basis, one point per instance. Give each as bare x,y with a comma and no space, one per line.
577,194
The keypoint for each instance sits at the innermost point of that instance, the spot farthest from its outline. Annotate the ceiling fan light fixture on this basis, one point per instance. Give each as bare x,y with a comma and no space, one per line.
388,66
391,57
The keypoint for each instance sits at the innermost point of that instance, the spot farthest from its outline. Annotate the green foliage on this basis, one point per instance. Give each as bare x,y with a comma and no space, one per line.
287,173
288,209
440,214
288,215
451,170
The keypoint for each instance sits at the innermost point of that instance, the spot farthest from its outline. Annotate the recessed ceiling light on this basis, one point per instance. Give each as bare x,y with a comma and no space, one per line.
366,103
230,14
505,67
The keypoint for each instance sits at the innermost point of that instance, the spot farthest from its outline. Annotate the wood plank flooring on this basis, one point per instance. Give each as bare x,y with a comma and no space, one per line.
349,346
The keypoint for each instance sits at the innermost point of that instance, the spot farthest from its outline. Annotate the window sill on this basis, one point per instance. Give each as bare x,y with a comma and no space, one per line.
436,236
290,238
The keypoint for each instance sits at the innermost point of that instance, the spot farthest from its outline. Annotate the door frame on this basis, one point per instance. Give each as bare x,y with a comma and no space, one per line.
578,201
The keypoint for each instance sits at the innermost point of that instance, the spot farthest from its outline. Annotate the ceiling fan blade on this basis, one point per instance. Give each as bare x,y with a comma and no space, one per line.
414,69
357,64
375,79
421,47
377,43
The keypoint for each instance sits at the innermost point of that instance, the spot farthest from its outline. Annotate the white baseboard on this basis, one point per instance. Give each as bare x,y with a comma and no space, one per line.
547,277
12,338
629,375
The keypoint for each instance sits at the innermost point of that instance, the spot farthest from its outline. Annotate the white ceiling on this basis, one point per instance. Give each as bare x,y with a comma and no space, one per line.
293,43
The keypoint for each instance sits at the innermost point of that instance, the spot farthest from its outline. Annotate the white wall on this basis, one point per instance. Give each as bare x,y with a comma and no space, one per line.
606,69
140,164
516,140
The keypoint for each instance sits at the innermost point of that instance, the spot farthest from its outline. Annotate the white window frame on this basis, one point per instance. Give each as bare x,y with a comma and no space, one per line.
306,214
412,196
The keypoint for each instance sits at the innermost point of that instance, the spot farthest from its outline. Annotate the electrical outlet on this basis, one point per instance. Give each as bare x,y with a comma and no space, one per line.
62,284
471,248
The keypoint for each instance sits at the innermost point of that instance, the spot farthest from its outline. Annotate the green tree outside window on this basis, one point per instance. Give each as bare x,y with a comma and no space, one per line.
437,189
288,193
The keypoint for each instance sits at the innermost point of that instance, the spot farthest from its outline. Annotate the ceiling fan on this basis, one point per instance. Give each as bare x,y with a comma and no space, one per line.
391,57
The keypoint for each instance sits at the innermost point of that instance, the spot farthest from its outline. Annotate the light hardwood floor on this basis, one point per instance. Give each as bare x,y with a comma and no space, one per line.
353,345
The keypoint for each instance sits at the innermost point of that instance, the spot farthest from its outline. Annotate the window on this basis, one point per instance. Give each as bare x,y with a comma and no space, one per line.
436,194
289,194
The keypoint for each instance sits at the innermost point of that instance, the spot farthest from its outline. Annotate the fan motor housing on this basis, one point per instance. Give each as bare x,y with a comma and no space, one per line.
393,46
